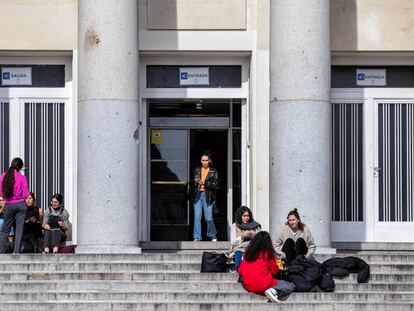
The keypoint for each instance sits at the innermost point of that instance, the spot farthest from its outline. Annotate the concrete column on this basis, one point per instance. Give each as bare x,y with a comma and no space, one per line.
108,127
300,115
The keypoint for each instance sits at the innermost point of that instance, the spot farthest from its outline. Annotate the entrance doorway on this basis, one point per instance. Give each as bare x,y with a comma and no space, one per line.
373,174
179,133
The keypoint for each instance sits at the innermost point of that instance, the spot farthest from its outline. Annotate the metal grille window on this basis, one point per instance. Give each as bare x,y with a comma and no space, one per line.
44,149
4,135
347,162
395,160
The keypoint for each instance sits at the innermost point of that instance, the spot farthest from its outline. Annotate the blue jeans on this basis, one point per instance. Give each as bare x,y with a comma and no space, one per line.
284,289
238,257
201,205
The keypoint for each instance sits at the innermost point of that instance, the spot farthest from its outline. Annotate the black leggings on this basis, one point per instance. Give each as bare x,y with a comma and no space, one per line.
293,250
53,238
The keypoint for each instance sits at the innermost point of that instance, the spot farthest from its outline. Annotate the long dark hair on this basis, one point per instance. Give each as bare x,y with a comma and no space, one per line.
239,213
8,181
208,154
295,213
261,243
31,194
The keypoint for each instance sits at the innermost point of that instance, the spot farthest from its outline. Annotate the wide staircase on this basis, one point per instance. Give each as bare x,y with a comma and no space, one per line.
169,279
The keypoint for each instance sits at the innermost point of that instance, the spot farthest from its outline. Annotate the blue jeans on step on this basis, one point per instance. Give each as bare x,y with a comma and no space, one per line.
238,257
200,205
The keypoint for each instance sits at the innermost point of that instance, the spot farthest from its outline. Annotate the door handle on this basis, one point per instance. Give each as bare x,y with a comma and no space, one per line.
377,171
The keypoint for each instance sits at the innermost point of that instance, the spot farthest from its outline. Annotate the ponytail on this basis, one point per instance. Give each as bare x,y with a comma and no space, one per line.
8,181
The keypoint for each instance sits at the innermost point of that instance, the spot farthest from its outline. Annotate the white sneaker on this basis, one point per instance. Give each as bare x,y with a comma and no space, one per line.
214,239
271,294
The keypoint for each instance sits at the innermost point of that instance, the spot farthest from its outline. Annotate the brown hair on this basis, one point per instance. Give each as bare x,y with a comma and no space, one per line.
8,181
295,213
31,194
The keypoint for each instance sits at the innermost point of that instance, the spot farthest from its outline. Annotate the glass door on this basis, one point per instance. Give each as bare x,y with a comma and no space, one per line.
169,184
179,132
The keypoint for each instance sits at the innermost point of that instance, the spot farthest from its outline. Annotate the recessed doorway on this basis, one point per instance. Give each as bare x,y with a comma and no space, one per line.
179,132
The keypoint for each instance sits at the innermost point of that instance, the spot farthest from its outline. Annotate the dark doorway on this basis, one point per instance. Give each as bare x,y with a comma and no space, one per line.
214,141
179,133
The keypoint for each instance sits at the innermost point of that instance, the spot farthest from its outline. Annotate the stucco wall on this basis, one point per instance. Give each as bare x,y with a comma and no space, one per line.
196,14
372,25
38,24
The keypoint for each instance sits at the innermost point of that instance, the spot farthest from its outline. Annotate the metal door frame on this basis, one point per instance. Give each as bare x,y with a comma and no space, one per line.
370,229
147,194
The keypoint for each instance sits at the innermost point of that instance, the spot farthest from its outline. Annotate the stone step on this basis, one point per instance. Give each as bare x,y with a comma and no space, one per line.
187,305
169,294
78,266
196,257
168,276
65,285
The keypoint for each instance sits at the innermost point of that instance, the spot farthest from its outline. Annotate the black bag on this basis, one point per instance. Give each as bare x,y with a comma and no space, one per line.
213,262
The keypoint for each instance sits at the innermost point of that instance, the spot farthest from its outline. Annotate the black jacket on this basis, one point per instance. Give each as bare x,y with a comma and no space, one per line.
211,184
306,273
343,266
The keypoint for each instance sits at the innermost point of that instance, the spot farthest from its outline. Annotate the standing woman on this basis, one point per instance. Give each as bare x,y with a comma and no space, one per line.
14,190
294,239
206,184
55,224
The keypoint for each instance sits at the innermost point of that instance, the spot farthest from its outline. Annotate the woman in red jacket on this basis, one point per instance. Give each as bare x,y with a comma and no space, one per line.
259,267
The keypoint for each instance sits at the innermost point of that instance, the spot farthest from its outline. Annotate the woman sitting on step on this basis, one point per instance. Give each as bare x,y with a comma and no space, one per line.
241,233
294,239
32,229
55,224
259,267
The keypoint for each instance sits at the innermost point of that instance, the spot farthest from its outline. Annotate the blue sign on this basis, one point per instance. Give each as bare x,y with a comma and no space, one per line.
6,75
361,76
184,75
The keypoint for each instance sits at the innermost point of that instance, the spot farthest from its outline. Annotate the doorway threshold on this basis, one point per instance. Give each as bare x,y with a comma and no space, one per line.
183,246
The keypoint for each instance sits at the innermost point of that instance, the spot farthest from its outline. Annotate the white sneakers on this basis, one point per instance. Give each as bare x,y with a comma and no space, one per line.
271,294
214,239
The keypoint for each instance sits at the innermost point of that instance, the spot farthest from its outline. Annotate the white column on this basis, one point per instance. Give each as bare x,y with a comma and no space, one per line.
300,115
108,126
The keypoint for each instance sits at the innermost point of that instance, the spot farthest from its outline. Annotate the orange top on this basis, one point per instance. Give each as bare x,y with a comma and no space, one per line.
204,173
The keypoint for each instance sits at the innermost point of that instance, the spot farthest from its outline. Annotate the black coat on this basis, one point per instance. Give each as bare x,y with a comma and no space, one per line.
344,266
306,273
211,184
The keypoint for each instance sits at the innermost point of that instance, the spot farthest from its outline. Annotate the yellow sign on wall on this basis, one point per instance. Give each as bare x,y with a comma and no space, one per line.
156,137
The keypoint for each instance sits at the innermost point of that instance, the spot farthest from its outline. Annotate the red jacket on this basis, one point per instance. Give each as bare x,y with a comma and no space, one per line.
258,275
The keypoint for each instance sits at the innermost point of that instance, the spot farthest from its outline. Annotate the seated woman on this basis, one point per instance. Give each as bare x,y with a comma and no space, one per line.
259,267
294,239
32,229
55,224
241,232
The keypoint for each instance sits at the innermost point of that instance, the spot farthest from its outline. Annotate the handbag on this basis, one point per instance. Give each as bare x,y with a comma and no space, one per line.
213,262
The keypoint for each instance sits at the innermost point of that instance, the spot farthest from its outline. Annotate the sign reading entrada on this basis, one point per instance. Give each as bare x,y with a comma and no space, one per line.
194,76
371,77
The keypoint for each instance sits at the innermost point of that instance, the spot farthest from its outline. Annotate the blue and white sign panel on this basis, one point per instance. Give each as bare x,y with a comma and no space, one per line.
371,77
16,76
194,76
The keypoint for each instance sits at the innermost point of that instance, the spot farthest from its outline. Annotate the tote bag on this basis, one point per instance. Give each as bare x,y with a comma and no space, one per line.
213,262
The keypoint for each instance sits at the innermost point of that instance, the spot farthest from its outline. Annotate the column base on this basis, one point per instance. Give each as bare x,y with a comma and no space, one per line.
107,249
